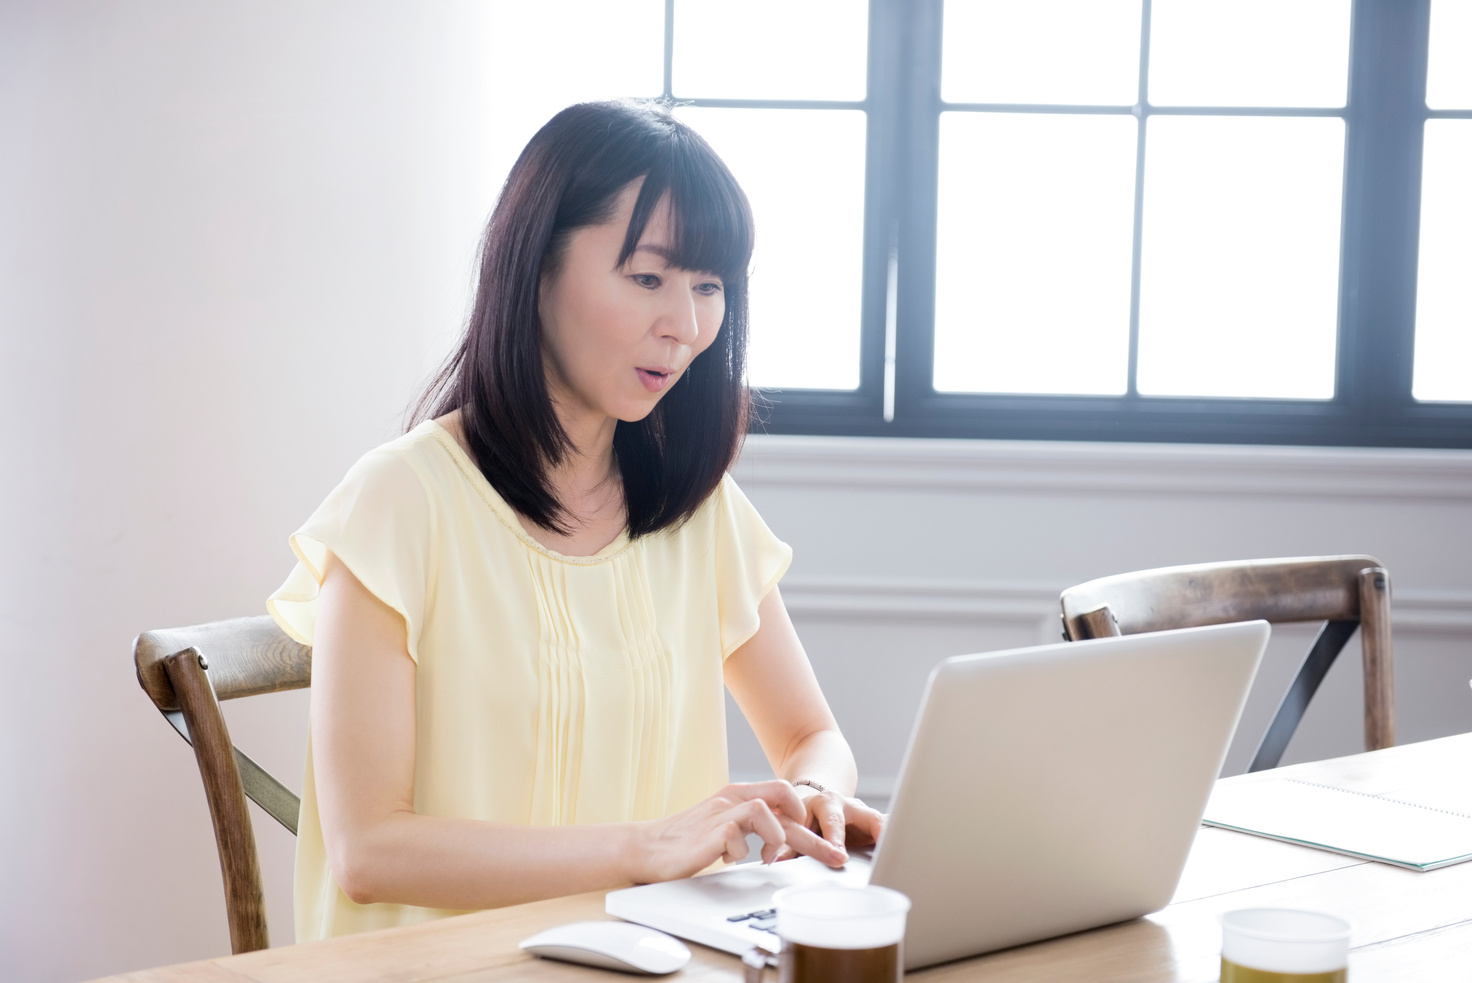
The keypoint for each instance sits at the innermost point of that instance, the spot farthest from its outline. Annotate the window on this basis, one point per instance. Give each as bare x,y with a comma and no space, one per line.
1157,220
1124,210
1443,360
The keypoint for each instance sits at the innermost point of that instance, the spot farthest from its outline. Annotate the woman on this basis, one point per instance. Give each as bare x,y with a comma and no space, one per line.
523,611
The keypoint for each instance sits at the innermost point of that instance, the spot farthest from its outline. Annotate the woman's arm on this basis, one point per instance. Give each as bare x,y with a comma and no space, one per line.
379,849
774,685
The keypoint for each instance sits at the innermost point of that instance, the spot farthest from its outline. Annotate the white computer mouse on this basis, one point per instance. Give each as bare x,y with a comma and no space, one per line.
616,945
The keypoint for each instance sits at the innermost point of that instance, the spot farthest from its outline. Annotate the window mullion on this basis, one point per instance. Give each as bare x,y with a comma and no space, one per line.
669,47
918,90
1142,116
1384,122
882,179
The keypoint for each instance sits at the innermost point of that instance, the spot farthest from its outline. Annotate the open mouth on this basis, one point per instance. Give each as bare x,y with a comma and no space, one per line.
654,379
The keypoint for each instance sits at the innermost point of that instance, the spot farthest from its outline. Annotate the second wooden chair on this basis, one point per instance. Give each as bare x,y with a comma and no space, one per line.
1345,592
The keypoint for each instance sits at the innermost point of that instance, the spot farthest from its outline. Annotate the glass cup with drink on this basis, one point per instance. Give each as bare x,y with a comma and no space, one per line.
830,932
1284,945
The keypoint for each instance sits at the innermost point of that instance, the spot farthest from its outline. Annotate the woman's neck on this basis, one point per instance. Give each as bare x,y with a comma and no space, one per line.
586,482
589,466
588,485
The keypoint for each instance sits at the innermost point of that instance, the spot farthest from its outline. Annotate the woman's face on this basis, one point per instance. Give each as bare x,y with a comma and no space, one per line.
616,338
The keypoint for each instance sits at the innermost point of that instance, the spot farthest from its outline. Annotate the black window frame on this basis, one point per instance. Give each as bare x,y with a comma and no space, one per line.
1384,116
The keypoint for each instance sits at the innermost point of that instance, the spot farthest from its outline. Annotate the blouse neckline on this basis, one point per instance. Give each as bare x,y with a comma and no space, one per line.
504,512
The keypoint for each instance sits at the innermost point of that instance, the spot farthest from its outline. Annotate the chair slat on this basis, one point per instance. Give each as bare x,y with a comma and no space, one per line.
1316,665
247,657
259,785
1279,590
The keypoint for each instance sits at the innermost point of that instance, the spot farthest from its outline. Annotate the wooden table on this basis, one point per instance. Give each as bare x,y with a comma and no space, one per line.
1408,925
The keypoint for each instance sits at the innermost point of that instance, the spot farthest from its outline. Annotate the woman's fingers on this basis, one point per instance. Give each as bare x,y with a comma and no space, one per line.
777,794
802,840
733,842
830,811
751,816
757,817
774,812
779,800
843,821
864,824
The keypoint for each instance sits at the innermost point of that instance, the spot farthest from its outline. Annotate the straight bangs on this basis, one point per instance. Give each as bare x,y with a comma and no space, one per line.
709,215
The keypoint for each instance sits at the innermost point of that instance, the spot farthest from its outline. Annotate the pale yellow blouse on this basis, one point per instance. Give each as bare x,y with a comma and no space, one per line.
550,689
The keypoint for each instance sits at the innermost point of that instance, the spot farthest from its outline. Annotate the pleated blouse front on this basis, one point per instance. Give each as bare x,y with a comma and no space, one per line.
550,689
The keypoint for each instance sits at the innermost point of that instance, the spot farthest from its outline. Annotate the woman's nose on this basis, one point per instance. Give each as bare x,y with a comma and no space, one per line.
678,323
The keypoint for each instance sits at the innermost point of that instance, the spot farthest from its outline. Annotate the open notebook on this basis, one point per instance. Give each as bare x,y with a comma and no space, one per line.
1421,828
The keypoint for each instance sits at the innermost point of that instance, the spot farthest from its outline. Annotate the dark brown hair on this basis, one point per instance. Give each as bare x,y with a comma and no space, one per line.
569,177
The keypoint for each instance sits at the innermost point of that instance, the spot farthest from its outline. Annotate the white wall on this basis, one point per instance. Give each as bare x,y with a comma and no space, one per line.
235,236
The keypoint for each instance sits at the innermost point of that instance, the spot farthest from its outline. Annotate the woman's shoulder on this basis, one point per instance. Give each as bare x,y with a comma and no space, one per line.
707,514
728,499
411,467
424,445
726,513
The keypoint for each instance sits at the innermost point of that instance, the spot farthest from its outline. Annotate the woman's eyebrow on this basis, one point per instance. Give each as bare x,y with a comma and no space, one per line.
663,252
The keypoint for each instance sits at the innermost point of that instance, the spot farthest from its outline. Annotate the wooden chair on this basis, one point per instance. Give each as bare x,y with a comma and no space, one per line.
1347,592
186,671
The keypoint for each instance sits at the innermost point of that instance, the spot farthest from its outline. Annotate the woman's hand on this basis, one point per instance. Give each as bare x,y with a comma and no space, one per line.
842,821
716,829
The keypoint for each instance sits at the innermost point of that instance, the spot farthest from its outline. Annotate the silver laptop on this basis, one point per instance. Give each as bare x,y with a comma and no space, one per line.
1044,791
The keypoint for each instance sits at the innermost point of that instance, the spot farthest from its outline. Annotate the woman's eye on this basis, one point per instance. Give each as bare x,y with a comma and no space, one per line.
649,280
709,289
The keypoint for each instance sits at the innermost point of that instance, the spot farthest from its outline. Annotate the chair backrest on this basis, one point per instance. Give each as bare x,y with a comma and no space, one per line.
1345,592
186,672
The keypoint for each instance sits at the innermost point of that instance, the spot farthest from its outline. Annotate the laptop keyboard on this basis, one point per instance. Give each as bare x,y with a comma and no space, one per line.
763,919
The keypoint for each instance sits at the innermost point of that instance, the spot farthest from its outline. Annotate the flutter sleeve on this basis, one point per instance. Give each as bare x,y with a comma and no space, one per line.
749,562
379,523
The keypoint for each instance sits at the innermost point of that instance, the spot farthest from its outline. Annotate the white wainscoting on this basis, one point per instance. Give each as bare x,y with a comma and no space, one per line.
908,551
